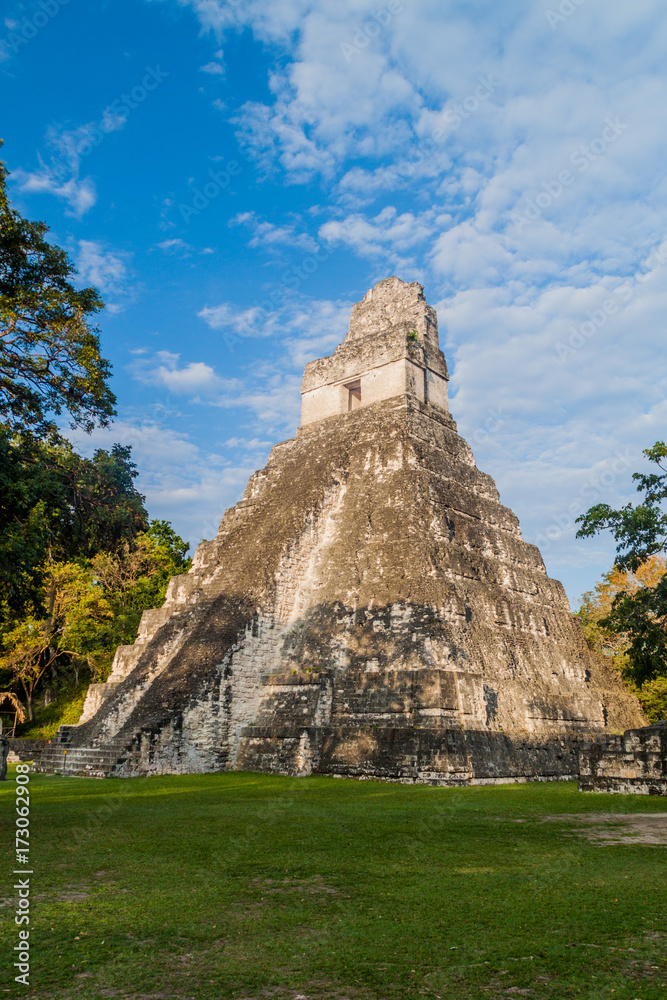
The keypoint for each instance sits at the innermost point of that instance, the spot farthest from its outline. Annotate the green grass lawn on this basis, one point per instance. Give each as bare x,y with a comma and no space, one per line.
251,886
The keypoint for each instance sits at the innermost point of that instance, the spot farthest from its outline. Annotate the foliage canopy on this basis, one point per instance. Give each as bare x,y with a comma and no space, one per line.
50,358
79,558
629,609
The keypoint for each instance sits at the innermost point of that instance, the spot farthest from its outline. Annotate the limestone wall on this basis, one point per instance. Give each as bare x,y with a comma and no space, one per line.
393,379
25,749
411,756
632,763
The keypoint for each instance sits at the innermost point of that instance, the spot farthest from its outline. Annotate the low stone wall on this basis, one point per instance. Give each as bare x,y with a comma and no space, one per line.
634,763
25,749
410,755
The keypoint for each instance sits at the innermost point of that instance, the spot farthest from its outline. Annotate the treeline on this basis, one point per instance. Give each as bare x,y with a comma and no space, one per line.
80,559
597,615
79,562
625,615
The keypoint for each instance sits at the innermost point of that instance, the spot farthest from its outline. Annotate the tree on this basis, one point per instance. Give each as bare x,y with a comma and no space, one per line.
79,559
640,531
106,510
76,625
638,612
596,606
50,357
57,506
90,607
136,578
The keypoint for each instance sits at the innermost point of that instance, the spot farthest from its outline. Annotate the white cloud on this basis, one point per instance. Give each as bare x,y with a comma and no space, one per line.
274,400
269,396
387,236
60,176
180,248
176,245
307,327
181,484
215,68
196,379
80,195
228,317
266,234
107,270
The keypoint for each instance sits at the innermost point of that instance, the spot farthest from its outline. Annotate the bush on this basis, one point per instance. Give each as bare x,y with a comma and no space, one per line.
653,698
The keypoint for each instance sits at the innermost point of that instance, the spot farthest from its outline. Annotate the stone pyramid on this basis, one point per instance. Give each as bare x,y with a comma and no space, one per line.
368,608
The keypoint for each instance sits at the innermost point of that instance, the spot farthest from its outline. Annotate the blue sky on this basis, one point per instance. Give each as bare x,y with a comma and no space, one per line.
234,175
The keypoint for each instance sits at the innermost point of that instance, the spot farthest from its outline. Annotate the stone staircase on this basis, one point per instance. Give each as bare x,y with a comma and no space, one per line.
60,757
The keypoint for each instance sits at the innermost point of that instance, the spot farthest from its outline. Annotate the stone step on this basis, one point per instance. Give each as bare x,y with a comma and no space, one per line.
63,735
84,753
85,761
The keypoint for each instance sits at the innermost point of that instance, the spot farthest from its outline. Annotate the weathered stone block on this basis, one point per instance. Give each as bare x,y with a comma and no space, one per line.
634,763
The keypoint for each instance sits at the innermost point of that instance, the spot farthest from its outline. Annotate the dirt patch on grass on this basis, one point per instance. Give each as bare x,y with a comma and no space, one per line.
616,828
67,896
313,991
312,886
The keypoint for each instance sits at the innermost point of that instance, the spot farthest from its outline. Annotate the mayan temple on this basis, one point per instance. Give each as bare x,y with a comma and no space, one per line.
369,607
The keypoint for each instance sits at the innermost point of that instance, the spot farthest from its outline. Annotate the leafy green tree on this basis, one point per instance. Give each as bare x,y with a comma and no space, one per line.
596,607
136,578
105,509
90,608
171,543
56,505
50,358
640,532
75,626
79,559
653,698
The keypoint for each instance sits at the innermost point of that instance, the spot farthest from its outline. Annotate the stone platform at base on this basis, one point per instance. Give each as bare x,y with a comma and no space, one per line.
632,764
408,754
